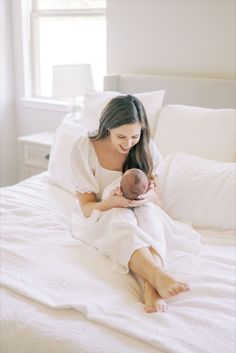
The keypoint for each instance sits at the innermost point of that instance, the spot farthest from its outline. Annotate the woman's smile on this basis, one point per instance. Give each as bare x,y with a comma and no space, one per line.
123,149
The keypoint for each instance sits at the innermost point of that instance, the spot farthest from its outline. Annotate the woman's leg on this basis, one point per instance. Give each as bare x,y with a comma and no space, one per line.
152,300
143,264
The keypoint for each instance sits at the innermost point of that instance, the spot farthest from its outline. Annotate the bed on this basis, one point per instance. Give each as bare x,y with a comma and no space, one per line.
59,295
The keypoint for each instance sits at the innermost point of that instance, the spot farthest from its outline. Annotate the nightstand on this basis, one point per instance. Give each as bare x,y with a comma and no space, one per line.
36,150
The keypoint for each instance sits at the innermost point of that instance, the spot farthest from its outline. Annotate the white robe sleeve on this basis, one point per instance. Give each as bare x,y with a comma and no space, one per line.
81,170
66,137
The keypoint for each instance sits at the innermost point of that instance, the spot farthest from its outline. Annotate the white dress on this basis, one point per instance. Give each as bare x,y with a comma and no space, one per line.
118,232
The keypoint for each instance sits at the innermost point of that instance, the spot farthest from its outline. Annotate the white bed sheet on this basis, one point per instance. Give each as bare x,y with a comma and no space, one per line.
202,320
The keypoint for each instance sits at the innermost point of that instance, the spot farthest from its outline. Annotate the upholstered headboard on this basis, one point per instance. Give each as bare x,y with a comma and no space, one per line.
202,92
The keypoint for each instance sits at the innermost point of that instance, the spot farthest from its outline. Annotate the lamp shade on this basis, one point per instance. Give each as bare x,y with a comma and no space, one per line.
71,80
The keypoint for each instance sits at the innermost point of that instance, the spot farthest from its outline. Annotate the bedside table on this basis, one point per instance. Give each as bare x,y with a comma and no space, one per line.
36,149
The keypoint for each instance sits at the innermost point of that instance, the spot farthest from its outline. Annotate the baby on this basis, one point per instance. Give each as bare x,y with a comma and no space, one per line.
134,182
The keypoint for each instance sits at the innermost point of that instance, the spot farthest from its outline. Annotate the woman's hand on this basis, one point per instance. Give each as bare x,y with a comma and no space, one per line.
152,195
149,196
116,199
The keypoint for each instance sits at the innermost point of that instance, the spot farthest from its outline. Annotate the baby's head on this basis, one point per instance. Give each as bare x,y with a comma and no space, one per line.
134,182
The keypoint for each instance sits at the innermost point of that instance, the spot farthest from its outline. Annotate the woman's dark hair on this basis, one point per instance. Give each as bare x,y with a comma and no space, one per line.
124,110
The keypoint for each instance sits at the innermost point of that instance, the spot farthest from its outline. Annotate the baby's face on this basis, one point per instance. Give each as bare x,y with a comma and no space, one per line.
133,184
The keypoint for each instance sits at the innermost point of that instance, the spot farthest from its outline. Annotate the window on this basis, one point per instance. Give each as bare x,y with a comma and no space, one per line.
66,32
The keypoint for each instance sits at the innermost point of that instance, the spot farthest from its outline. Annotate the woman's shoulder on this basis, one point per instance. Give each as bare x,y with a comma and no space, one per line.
67,137
85,149
83,165
82,135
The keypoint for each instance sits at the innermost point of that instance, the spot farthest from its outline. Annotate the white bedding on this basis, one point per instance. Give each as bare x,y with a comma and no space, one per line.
84,306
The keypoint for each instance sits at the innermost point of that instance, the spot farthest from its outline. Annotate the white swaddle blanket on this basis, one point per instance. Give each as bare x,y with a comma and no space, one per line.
118,232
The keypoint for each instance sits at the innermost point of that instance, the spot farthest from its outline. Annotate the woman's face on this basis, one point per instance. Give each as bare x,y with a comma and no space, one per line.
124,137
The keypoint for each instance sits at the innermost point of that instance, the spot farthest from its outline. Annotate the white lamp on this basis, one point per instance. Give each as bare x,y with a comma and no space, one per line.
71,81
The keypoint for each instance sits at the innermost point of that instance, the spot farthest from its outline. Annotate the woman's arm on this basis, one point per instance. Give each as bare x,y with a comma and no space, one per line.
115,199
88,203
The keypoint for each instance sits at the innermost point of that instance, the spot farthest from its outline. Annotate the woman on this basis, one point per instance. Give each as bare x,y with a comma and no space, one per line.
121,142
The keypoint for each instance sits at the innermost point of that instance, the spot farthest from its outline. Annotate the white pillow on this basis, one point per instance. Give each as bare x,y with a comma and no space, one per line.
95,101
207,133
199,191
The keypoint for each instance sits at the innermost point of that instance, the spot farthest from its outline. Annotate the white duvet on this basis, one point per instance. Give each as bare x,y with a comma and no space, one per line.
71,300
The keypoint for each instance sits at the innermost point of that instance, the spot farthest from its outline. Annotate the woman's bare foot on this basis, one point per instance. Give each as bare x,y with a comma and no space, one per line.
152,300
165,285
148,265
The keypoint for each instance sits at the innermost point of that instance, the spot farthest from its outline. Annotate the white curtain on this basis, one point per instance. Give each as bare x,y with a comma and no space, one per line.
8,160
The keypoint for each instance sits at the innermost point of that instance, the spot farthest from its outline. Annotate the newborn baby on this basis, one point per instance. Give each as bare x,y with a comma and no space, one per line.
134,182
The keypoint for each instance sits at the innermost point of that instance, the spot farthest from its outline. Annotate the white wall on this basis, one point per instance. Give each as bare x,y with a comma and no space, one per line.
193,37
8,159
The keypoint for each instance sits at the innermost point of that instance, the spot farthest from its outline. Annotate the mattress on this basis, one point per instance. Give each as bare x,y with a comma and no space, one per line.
45,308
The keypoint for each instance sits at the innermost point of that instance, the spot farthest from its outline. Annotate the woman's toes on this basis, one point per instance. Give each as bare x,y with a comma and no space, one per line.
178,288
150,308
159,306
163,307
172,293
185,286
